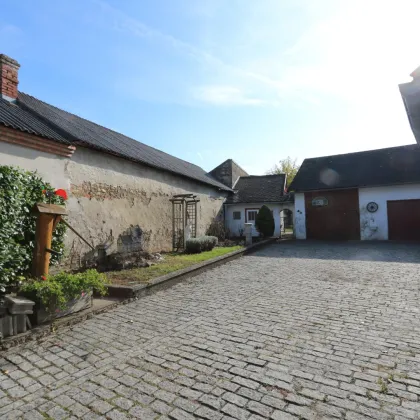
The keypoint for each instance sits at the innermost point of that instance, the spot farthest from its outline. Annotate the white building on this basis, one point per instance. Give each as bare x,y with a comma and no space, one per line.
372,195
251,193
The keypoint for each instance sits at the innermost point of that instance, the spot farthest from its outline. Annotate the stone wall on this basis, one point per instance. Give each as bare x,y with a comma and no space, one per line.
112,199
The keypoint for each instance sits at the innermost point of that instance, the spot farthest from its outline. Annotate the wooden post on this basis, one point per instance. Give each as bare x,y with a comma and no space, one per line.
43,237
48,217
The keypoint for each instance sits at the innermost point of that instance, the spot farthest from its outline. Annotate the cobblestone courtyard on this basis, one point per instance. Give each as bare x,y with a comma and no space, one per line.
294,331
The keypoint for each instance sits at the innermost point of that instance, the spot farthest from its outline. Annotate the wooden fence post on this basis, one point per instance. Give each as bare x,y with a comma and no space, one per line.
48,217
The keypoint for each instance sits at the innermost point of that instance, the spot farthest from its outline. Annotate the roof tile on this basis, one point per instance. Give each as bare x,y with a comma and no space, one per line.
258,189
390,166
34,116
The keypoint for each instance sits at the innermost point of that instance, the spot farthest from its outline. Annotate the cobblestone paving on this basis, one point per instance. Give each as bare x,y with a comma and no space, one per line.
294,331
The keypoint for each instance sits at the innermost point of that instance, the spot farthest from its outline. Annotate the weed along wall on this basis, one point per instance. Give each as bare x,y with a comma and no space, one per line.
114,201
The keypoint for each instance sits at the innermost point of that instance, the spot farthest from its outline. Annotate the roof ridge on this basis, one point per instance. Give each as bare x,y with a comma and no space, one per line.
364,151
103,127
83,132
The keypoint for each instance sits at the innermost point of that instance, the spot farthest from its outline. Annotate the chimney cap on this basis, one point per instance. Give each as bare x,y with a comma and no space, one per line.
5,59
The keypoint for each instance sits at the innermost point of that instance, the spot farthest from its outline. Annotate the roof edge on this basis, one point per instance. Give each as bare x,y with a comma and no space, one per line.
82,143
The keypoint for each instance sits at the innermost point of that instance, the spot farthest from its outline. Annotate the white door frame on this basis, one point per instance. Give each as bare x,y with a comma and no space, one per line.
247,220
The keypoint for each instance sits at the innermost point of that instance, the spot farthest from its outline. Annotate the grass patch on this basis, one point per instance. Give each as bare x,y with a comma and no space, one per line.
171,263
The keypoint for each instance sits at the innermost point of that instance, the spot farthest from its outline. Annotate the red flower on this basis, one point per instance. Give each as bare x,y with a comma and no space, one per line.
43,278
44,191
61,193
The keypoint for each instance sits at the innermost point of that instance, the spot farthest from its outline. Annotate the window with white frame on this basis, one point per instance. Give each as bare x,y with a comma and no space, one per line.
236,215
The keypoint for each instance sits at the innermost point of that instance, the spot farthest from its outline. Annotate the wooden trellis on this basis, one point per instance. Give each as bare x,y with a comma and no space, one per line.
184,219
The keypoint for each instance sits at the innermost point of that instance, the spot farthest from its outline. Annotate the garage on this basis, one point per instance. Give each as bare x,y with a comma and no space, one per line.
372,195
332,215
404,220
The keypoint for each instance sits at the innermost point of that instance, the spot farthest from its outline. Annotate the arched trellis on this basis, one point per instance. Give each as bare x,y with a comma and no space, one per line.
184,219
287,212
286,218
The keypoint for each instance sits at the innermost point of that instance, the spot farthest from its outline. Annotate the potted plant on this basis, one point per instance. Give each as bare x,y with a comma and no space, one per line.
62,294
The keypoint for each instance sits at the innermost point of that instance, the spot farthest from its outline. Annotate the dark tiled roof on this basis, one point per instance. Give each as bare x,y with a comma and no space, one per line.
391,166
410,93
15,117
258,189
288,198
86,133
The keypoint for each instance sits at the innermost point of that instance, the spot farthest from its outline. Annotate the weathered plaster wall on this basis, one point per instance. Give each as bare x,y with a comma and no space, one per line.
50,167
374,226
300,216
234,226
108,195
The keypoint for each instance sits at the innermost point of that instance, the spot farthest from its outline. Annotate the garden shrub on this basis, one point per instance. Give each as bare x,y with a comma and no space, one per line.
19,191
203,243
193,246
264,222
217,228
55,291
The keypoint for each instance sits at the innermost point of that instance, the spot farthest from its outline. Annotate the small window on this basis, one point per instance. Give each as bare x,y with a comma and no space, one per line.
252,215
236,215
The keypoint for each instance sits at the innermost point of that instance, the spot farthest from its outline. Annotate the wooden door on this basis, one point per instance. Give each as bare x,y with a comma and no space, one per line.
404,220
332,215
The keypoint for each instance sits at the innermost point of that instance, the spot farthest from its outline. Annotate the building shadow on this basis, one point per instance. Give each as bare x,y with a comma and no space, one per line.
386,251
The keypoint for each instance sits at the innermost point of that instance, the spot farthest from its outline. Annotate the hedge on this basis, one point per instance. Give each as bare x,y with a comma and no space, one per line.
200,244
19,191
264,222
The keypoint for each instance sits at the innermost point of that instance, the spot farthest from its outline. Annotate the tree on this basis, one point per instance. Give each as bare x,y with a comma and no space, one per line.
286,166
265,222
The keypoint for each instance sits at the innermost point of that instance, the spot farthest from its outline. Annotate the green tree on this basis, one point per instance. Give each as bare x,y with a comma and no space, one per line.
286,166
265,222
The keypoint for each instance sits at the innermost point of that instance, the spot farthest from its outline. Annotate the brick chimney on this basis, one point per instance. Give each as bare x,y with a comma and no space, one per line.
9,69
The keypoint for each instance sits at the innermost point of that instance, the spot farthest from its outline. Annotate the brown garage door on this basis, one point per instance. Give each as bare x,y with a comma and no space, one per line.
404,220
338,219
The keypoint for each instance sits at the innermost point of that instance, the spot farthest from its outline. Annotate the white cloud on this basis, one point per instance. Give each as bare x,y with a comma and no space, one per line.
225,96
265,89
341,49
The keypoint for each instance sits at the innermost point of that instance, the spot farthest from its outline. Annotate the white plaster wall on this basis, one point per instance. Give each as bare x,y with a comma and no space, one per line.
300,216
374,226
50,167
235,225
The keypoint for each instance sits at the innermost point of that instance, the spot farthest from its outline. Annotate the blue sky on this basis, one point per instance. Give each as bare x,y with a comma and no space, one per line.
207,80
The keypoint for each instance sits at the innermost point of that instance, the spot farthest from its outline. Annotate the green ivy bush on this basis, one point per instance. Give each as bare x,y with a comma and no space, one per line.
203,243
55,291
264,222
19,191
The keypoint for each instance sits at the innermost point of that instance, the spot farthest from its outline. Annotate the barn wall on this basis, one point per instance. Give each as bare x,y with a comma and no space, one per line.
109,195
50,167
374,226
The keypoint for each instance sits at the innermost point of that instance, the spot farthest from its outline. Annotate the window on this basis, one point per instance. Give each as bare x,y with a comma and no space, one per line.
236,215
252,215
